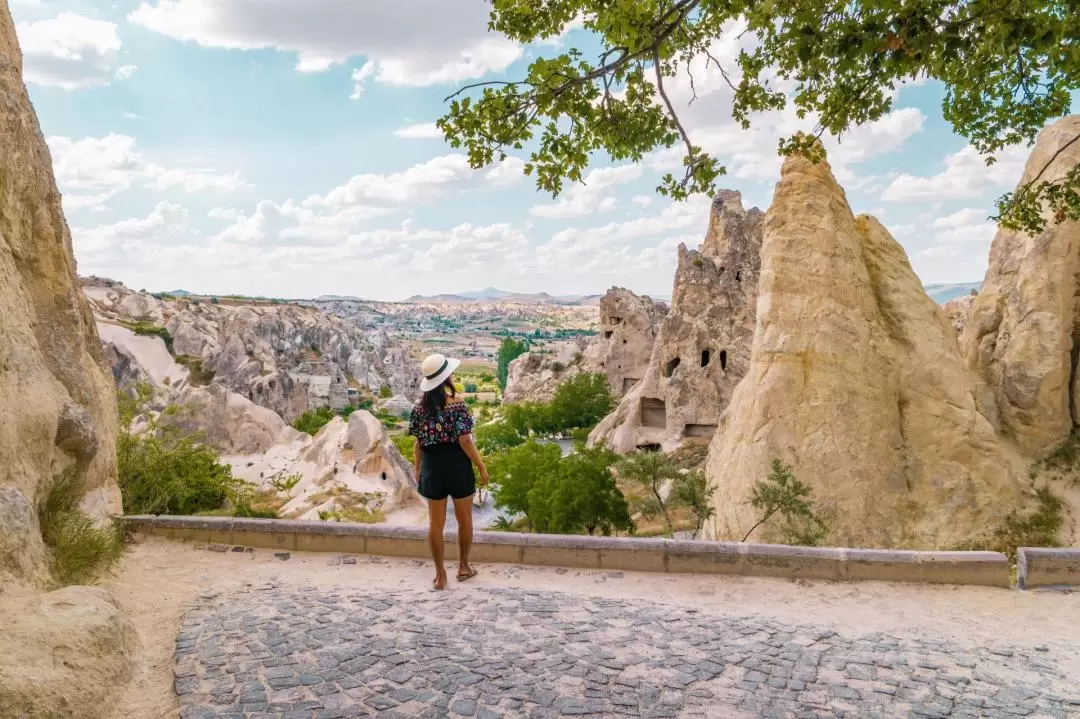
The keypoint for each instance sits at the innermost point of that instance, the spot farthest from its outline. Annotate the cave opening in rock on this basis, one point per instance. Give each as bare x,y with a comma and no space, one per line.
607,335
706,355
723,360
671,366
653,413
649,447
738,276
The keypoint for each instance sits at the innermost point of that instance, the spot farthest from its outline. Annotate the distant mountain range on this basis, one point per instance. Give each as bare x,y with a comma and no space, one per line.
942,293
491,295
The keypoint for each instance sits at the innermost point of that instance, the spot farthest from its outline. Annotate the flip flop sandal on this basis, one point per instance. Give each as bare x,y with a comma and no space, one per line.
466,577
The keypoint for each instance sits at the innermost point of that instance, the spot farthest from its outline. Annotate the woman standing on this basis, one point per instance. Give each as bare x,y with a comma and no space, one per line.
443,458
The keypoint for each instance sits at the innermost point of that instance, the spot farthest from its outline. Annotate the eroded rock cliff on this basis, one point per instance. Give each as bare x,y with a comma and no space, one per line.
702,347
63,653
628,325
855,379
1022,334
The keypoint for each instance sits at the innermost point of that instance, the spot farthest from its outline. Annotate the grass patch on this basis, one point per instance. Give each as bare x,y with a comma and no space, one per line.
405,444
349,506
81,548
1064,461
198,375
149,329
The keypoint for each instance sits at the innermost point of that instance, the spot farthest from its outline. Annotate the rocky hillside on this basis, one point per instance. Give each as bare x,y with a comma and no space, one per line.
855,379
62,653
282,356
628,325
702,347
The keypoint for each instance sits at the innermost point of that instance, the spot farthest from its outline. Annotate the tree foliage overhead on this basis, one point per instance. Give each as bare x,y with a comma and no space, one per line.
1008,68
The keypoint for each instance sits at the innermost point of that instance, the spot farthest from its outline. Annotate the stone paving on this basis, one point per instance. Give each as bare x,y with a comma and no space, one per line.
317,653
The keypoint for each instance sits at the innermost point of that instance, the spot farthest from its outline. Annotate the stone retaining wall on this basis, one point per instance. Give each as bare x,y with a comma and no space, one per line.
608,553
1041,567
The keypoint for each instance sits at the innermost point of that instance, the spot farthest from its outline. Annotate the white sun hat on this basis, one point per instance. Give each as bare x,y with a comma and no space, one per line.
436,368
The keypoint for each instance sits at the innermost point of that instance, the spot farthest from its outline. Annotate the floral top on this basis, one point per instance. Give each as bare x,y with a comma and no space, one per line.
453,422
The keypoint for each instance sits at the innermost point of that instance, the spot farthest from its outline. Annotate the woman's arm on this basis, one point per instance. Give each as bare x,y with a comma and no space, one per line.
416,455
467,444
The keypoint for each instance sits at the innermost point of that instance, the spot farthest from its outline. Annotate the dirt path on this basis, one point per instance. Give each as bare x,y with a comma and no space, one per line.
160,580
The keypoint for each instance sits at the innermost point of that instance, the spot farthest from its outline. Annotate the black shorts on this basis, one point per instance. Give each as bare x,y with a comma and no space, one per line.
446,471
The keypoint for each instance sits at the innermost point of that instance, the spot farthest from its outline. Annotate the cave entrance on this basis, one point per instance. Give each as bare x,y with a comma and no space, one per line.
699,430
706,355
628,383
723,360
671,366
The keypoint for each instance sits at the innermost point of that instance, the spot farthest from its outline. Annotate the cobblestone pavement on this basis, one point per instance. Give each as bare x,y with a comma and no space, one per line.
486,653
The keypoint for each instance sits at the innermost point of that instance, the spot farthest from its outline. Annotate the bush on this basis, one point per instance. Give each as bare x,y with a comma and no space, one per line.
385,392
782,493
165,471
313,420
405,444
286,484
80,547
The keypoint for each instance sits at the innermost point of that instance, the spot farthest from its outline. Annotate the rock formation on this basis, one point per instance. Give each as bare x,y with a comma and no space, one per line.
230,422
628,325
702,348
957,310
855,380
1023,332
57,414
286,357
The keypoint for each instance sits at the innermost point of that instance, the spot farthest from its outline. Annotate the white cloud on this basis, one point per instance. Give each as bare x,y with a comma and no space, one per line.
642,200
112,164
360,78
960,218
966,175
420,131
591,196
348,209
407,43
132,237
71,51
223,213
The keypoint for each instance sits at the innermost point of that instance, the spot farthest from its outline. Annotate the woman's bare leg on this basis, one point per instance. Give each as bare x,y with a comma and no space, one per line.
463,513
436,524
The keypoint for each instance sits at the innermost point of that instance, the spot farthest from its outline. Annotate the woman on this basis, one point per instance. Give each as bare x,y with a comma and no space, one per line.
443,456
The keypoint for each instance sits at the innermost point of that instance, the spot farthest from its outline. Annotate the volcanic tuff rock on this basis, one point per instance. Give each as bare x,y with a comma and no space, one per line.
702,347
628,325
855,380
957,310
1023,332
286,357
63,653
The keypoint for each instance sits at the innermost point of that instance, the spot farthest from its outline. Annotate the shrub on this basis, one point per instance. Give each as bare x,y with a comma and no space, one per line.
286,484
313,420
385,392
691,490
404,443
781,493
198,375
650,470
81,548
557,366
166,471
1040,528
149,329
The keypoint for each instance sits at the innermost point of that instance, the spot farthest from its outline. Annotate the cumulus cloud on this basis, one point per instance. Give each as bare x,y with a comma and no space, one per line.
92,170
420,131
71,52
966,175
590,196
412,43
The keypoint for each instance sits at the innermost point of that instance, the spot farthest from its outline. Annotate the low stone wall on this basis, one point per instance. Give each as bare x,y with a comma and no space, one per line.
608,553
1042,567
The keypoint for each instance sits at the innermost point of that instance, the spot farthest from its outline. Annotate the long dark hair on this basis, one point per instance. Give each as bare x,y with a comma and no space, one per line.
435,399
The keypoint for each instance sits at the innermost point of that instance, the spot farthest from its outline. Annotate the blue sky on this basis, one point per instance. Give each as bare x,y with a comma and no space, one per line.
287,149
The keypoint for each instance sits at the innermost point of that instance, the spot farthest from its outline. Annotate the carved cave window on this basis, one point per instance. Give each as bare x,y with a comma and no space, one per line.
607,335
706,355
671,366
723,360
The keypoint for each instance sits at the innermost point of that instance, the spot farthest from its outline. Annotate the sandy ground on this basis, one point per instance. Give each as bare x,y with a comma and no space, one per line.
159,579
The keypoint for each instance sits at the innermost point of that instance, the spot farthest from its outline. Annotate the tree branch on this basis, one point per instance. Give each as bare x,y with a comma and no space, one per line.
674,118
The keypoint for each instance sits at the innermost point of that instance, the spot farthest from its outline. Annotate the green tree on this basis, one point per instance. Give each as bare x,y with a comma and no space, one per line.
581,401
691,489
385,392
650,470
1006,69
782,493
496,437
509,350
517,472
586,497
